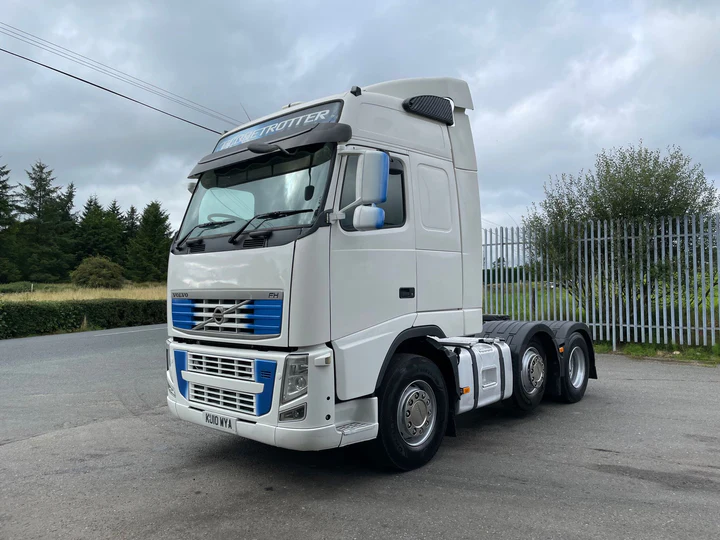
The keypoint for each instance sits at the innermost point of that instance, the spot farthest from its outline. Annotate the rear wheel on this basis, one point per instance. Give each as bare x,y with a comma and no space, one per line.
530,372
574,384
413,412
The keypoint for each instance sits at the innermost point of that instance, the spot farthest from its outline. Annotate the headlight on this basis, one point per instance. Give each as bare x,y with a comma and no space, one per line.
295,377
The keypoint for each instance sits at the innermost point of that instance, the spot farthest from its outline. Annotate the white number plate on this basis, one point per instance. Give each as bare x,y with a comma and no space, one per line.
219,421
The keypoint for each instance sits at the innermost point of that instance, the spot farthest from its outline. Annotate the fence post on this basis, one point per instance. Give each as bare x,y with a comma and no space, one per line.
613,327
702,279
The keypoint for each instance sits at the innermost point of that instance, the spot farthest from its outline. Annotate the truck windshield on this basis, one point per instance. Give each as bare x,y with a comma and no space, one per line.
265,184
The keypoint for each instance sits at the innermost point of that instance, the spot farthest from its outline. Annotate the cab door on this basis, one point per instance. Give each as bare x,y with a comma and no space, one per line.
372,279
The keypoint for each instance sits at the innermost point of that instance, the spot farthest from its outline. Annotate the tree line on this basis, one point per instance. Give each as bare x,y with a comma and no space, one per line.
42,238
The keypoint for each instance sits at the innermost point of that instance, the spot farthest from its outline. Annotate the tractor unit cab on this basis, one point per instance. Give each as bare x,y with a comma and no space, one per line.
325,287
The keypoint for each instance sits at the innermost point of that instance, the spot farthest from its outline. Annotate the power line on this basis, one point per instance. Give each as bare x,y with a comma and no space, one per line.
31,39
118,77
105,72
110,91
485,219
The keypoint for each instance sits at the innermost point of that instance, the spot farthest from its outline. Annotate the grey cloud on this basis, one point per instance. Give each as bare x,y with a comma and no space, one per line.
553,82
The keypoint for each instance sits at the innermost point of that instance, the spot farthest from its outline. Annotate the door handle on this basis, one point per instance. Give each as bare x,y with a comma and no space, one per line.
407,292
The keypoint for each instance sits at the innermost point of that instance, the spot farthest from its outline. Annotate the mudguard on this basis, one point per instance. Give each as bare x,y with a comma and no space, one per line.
553,335
564,329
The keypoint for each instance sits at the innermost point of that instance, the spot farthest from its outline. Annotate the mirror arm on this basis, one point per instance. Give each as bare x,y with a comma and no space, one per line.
340,214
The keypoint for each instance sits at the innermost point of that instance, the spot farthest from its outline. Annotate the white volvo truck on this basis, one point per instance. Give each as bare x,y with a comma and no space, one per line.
326,285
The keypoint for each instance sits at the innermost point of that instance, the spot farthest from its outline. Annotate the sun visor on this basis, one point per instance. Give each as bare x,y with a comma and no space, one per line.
288,139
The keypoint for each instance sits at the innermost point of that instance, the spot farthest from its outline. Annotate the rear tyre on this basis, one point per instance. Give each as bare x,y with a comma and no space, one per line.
574,384
413,413
530,373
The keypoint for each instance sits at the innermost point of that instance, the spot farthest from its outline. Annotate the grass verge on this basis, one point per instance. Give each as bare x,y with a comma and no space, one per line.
708,356
65,292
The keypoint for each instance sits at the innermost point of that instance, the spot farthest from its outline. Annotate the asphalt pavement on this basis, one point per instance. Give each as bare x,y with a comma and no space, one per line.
88,450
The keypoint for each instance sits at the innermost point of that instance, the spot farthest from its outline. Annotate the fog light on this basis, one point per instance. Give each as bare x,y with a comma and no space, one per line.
293,415
171,390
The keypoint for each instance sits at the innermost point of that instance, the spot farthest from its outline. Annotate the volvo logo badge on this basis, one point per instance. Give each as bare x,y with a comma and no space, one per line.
219,315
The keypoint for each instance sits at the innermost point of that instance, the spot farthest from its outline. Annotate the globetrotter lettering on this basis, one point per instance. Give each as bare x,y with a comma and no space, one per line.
242,138
329,113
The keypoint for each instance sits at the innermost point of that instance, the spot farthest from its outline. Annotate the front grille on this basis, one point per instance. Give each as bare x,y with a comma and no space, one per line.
233,316
237,368
224,399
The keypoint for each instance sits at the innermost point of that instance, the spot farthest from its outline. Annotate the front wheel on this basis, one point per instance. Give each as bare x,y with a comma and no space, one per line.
413,412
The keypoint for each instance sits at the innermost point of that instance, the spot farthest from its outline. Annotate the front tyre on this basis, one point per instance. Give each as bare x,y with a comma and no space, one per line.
413,412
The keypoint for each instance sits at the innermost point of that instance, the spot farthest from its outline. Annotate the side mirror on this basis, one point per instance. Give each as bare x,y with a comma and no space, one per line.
191,186
368,218
371,177
373,172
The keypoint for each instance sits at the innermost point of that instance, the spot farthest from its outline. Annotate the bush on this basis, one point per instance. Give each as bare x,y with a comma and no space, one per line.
27,286
16,287
18,319
98,272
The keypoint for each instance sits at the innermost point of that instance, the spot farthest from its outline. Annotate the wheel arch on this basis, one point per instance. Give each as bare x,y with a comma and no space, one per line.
416,334
563,330
415,341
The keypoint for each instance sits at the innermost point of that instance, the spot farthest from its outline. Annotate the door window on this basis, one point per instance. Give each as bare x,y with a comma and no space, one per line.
394,205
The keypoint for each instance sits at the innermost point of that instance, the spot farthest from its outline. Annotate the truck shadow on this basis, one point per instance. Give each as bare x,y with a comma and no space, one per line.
236,455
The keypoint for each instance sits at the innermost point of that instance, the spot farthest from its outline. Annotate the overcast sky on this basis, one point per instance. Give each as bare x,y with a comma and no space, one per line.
553,82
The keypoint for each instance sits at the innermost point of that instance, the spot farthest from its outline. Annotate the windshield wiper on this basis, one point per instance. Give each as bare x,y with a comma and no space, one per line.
207,225
265,217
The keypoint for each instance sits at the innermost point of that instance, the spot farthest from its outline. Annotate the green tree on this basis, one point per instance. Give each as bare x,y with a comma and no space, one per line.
623,203
8,199
131,223
627,183
149,250
8,228
46,235
115,233
37,198
91,233
101,231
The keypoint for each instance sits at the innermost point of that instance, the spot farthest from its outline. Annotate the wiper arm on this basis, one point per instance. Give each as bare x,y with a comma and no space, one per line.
265,217
207,225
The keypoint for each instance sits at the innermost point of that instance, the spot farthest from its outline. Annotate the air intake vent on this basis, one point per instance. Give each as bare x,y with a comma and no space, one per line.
433,107
197,248
266,374
256,242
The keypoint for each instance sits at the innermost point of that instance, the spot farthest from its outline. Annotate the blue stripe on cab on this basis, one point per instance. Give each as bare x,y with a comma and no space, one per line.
264,373
266,316
180,366
182,313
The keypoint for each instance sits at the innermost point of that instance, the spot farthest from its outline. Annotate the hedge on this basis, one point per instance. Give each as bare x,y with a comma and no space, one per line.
18,319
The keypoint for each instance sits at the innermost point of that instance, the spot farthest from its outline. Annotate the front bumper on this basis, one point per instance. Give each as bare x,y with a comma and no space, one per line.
320,438
324,424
